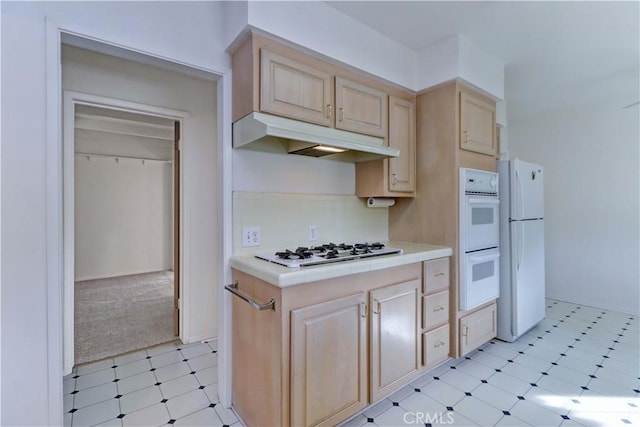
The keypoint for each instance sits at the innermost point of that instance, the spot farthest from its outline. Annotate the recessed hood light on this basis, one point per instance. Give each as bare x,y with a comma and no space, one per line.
329,149
264,132
314,150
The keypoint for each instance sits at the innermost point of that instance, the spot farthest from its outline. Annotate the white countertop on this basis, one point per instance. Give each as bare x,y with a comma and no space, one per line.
283,276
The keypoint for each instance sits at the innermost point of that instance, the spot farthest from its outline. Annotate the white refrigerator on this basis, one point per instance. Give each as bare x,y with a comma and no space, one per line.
521,304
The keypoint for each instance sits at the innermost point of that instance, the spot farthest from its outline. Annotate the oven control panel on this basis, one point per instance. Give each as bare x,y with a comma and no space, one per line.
479,182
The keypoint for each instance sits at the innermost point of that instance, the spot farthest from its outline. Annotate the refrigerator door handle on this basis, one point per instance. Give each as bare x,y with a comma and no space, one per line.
518,197
520,245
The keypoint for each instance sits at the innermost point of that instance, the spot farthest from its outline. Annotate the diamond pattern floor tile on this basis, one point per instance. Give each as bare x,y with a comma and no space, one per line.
577,367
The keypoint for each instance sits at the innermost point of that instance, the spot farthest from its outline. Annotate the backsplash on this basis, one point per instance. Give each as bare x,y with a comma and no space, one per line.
284,220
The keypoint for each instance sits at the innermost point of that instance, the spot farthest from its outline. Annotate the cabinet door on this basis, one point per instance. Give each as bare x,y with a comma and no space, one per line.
395,334
293,89
477,125
360,108
477,328
328,361
402,135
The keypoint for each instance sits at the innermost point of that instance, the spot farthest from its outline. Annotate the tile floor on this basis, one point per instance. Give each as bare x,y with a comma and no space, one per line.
580,366
163,385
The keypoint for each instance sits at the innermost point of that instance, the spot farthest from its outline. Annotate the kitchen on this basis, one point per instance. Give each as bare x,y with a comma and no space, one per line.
277,18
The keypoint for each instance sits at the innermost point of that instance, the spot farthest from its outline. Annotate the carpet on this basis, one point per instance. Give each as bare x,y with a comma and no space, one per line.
121,314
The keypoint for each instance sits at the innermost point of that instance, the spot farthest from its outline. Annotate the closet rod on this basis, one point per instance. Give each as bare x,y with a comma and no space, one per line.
123,157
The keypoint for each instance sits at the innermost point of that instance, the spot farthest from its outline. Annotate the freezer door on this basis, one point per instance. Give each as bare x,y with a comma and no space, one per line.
527,190
528,275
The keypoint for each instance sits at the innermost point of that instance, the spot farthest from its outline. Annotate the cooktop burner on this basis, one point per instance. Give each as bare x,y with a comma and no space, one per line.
327,253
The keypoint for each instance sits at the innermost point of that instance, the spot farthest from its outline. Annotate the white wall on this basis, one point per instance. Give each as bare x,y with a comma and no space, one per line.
270,172
123,216
438,63
27,396
284,220
590,154
113,144
124,207
456,57
480,69
324,29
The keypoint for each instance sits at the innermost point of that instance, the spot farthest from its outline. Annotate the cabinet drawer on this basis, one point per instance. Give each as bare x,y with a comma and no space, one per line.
435,345
477,328
435,309
436,275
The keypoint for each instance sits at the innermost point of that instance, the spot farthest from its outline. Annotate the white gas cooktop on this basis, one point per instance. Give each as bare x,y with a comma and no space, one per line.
327,253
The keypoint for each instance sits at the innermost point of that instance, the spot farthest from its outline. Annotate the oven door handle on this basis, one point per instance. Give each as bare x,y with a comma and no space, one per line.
488,201
481,258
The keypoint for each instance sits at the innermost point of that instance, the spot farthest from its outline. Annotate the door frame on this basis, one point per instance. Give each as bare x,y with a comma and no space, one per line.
70,100
54,33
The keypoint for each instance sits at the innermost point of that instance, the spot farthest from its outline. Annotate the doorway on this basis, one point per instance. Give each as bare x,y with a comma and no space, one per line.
122,226
153,89
126,231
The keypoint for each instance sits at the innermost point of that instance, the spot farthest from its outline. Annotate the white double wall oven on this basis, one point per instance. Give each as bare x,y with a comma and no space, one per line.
479,238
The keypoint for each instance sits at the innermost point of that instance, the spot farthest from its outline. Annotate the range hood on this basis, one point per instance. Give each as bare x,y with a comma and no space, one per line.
264,132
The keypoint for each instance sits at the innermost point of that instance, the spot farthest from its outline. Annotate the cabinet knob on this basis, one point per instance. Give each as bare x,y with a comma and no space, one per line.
466,136
394,179
440,344
329,110
438,274
438,308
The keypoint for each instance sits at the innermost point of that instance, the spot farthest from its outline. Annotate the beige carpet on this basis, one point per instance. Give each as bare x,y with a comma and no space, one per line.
122,314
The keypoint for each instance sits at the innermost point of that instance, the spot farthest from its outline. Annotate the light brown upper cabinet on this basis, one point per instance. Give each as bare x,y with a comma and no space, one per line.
293,89
360,108
477,125
402,135
395,177
297,90
293,82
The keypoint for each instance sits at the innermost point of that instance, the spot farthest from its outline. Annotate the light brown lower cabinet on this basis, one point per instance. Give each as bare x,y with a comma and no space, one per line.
330,347
477,328
395,337
328,361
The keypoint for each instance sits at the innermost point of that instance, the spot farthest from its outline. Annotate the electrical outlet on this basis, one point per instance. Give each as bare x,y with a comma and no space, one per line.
313,233
251,236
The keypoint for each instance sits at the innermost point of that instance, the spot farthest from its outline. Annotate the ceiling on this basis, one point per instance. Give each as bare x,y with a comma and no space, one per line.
556,54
